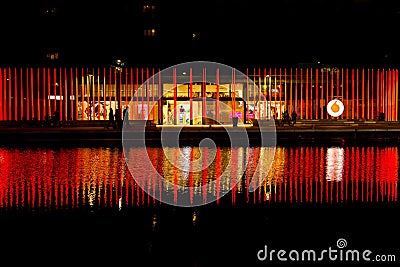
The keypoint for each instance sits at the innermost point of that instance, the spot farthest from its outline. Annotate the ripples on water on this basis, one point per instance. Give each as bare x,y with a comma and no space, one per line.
73,178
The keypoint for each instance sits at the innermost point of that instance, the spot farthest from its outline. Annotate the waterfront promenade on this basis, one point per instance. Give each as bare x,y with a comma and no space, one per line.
308,131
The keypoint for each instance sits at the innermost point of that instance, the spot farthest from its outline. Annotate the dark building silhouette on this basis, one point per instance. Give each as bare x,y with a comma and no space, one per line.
163,33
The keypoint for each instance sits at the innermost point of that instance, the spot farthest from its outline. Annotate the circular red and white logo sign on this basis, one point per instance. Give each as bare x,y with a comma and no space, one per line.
335,108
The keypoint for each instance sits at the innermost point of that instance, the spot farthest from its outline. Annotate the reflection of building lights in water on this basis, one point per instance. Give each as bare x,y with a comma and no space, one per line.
334,164
154,223
194,217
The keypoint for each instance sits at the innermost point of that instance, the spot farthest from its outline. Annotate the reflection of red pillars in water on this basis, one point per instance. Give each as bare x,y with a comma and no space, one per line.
337,185
127,185
139,191
252,172
175,172
204,175
316,173
134,188
351,177
296,174
303,162
310,174
191,183
322,172
161,172
218,174
307,170
234,159
291,163
357,174
286,173
365,172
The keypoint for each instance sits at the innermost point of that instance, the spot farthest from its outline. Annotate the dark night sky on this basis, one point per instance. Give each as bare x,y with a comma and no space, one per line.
247,32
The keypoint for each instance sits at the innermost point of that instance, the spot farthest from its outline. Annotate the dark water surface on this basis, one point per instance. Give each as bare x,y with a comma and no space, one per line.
82,205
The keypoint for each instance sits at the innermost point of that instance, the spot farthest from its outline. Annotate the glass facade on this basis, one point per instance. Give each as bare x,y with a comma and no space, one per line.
189,99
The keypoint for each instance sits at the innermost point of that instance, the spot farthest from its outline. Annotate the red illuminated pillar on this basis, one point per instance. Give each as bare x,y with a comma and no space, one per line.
217,107
27,90
160,96
285,91
373,112
137,94
301,93
310,85
394,99
126,90
280,92
316,94
322,94
389,94
153,92
7,91
4,94
143,91
21,95
175,94
368,88
76,94
233,93
352,94
31,103
203,94
275,91
191,96
295,92
306,100
263,97
331,83
362,95
383,88
133,92
1,95
15,102
378,92
98,94
396,81
38,106
147,92
291,92
82,94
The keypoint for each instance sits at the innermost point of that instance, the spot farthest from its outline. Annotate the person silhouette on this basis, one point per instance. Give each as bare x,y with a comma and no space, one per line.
294,117
111,120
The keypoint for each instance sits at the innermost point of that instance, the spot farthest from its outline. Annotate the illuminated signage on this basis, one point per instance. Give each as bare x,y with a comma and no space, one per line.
335,108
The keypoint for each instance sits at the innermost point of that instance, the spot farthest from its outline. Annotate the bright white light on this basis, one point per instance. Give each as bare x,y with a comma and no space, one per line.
334,164
56,97
335,107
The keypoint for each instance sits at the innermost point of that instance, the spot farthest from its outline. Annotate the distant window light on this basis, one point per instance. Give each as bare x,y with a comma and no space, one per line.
148,8
50,11
149,32
52,56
